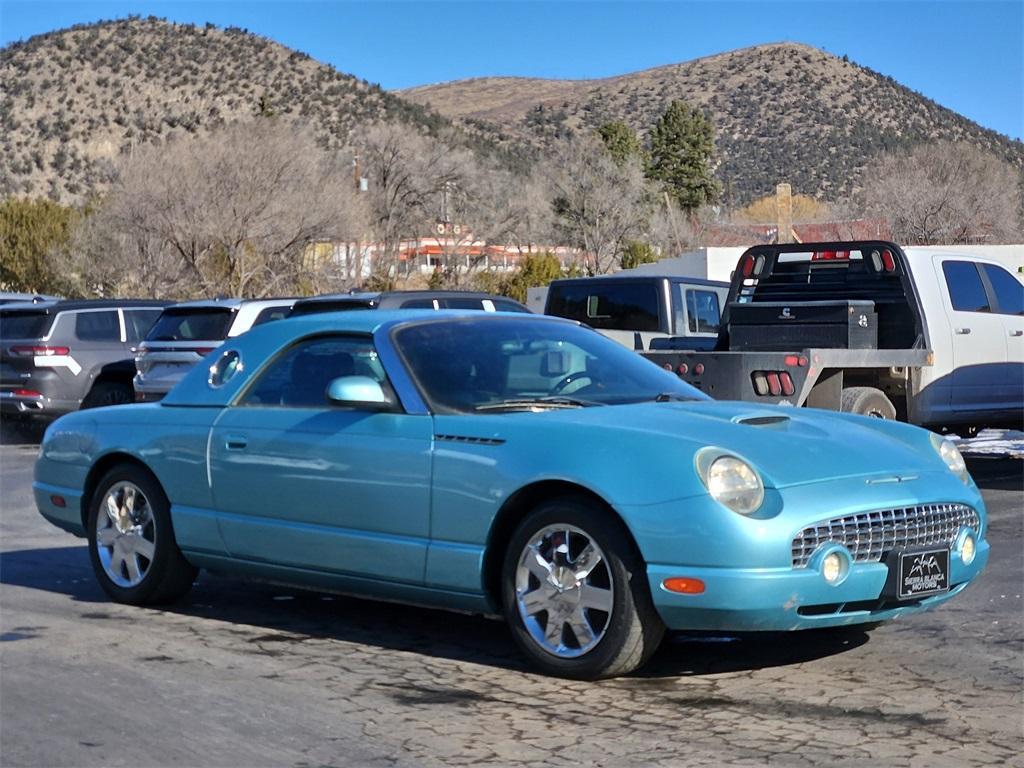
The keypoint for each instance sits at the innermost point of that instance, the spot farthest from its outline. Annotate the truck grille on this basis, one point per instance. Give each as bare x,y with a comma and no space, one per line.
870,535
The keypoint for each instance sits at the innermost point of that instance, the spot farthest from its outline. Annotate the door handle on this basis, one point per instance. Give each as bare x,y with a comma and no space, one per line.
236,442
1017,333
962,331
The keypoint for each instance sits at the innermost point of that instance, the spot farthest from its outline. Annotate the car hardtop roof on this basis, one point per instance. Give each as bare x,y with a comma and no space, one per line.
640,278
65,305
372,320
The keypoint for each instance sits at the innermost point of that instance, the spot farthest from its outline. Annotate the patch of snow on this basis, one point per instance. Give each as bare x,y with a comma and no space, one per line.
992,442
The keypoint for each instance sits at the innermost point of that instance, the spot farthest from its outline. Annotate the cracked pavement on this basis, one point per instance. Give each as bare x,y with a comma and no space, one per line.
252,674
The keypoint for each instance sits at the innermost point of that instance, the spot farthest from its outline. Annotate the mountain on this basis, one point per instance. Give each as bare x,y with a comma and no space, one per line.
782,112
73,100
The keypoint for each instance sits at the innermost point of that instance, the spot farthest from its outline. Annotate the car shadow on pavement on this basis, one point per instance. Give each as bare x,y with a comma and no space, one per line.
996,473
266,618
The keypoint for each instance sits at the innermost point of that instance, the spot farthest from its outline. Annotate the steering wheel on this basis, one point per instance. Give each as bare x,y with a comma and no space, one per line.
571,378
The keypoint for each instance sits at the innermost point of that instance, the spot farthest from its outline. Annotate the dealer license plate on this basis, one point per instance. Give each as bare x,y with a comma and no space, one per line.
922,573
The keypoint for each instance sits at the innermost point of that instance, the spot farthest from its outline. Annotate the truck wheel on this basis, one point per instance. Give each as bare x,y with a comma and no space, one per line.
867,401
109,393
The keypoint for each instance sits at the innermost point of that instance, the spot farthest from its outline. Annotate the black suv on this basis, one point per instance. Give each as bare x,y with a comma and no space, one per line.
59,356
339,302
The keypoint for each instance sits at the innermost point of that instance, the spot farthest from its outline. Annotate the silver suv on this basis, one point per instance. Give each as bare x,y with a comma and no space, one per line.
185,333
59,356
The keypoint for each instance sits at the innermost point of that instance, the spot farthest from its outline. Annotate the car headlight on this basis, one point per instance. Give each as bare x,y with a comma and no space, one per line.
734,483
950,454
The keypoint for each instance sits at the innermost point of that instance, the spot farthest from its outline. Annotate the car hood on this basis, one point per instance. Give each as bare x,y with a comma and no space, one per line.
788,446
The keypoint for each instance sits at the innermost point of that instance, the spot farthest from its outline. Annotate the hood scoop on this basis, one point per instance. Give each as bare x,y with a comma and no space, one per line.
772,422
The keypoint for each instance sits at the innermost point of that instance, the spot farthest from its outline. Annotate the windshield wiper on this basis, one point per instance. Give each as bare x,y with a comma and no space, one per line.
548,401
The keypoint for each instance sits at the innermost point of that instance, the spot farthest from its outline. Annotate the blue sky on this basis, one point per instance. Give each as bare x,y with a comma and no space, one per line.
967,55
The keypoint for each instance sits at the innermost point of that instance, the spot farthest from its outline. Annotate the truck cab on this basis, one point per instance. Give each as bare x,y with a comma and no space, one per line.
641,310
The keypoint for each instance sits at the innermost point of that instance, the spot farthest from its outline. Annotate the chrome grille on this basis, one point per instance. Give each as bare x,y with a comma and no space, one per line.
869,535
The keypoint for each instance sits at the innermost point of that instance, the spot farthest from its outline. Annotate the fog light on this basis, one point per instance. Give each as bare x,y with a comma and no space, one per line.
968,550
832,567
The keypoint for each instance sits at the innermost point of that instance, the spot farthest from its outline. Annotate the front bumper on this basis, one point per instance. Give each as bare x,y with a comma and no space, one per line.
776,599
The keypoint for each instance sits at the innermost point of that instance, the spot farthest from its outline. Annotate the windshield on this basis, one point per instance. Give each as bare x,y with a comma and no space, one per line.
23,325
471,365
192,324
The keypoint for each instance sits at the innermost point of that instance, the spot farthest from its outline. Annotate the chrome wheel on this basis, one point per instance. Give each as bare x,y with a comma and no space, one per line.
125,535
564,590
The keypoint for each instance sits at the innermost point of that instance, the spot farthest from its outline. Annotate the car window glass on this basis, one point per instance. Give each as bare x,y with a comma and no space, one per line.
98,326
1009,290
299,378
615,306
188,324
418,304
502,305
702,309
270,314
137,322
467,367
966,290
24,325
461,303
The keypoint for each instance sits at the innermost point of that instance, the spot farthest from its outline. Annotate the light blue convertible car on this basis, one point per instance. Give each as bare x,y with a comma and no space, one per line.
512,464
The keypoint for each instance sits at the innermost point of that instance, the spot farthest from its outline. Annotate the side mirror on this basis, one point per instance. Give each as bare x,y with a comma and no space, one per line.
359,392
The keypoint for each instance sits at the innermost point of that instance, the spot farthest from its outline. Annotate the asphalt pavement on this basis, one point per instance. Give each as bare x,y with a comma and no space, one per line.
248,674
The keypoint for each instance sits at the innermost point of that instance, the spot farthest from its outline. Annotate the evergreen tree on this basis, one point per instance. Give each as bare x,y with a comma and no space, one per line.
620,140
682,147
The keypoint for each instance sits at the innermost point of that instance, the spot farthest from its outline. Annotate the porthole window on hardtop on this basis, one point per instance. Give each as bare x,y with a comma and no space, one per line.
612,306
227,365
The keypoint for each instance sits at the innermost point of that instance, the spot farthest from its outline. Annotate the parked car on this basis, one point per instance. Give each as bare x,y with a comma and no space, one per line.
58,356
517,464
933,338
641,310
10,297
185,333
338,302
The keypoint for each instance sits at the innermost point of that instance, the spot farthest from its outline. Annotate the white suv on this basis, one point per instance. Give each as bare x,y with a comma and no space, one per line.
186,333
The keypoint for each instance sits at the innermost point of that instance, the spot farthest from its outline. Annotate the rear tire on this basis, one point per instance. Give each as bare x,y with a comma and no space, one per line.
131,541
109,393
570,562
867,401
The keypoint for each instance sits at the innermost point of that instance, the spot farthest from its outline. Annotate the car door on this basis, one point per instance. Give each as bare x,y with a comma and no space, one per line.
1008,294
303,483
979,349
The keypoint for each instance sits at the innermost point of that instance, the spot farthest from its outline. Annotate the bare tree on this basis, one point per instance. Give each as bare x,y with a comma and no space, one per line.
406,173
600,205
234,212
945,193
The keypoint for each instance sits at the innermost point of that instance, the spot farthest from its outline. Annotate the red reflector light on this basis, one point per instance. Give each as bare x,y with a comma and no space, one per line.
698,368
27,393
787,383
774,385
682,369
747,265
684,585
58,501
667,366
204,351
802,361
792,360
39,351
887,261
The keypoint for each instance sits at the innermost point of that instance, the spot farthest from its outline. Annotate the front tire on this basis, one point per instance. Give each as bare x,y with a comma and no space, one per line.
575,593
131,541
